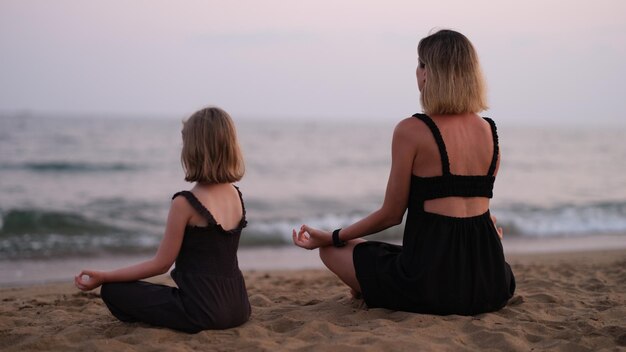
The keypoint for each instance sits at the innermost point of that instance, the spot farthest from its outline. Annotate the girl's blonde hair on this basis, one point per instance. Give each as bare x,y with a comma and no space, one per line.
210,152
454,81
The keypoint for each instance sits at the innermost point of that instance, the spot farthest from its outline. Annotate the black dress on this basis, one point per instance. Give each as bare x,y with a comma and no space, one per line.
211,291
446,265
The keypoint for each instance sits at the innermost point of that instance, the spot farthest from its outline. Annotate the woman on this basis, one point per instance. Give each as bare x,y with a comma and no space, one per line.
444,164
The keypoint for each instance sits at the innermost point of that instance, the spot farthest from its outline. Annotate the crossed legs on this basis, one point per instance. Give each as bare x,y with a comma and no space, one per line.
340,262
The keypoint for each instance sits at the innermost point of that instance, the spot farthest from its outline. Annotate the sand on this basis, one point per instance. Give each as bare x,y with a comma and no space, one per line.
564,302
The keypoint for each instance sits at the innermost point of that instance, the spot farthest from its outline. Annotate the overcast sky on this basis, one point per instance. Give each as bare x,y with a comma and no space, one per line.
553,61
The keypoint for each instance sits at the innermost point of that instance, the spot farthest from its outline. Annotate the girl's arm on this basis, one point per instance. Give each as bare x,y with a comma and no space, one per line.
179,215
403,151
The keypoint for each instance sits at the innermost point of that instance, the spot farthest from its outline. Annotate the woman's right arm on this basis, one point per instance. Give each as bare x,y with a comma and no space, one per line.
403,152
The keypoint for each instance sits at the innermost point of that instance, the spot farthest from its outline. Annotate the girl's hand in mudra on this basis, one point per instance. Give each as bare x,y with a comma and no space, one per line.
310,238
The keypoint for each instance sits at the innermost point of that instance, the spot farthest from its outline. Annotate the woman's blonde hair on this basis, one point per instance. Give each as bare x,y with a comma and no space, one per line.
454,81
210,152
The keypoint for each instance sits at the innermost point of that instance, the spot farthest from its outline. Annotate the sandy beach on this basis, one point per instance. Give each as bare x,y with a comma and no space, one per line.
574,301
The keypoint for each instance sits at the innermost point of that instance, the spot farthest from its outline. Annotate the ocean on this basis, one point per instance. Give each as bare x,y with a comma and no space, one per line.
78,186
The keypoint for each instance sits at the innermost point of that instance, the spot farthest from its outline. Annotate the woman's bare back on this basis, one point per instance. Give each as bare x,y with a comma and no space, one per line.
469,144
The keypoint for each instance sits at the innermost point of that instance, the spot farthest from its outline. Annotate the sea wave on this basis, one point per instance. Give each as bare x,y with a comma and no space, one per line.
35,233
38,233
73,167
563,220
41,233
18,222
519,220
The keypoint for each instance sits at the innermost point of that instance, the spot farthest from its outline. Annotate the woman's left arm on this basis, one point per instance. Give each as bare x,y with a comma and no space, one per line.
177,219
403,151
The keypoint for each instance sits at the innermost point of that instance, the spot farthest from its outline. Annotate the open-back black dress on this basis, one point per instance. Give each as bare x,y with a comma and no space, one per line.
211,291
446,265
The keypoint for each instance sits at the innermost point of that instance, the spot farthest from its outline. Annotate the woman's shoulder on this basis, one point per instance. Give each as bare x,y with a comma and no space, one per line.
411,126
410,122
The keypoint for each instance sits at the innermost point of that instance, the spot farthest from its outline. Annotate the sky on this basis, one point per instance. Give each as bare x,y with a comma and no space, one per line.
555,61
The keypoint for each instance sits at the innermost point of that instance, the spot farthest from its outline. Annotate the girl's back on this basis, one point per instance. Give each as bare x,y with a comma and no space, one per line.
222,201
207,269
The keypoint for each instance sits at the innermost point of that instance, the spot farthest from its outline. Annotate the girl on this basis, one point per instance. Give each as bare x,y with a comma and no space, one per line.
443,168
201,235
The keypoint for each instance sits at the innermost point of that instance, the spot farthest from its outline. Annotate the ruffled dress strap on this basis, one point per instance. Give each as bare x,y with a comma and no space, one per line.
243,223
445,161
195,203
496,147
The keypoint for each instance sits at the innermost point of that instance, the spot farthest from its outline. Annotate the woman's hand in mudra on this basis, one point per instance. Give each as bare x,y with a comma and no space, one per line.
88,280
310,238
